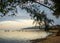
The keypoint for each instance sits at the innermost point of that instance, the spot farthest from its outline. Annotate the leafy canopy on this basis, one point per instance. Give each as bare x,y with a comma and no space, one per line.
8,5
32,7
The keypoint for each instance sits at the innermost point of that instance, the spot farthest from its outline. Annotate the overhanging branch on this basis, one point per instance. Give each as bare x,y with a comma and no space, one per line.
45,6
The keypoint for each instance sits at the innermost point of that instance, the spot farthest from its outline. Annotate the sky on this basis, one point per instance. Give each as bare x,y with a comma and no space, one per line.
23,15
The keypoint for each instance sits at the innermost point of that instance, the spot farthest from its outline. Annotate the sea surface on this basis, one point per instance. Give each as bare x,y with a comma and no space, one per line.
22,36
14,32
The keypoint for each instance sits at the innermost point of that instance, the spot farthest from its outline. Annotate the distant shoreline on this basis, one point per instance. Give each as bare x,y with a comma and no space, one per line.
23,30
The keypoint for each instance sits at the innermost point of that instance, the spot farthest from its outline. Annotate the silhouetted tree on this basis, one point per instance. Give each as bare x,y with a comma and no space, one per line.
30,7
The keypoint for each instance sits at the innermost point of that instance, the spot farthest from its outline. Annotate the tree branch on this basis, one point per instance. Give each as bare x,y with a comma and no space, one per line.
45,6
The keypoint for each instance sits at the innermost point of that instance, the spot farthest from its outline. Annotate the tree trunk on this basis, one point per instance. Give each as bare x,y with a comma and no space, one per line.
58,33
46,26
39,27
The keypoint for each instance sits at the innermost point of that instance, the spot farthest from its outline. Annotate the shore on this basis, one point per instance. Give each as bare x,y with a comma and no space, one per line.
50,39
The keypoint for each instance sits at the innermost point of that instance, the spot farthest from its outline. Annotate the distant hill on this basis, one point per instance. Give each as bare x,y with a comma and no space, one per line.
34,27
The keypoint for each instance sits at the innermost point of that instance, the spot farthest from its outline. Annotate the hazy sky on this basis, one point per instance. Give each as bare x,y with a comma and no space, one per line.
22,14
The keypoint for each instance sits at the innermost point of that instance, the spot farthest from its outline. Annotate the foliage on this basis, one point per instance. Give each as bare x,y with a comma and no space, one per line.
13,3
56,7
35,13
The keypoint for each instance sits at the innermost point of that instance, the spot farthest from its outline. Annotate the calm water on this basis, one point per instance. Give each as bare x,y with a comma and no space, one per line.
15,35
21,36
